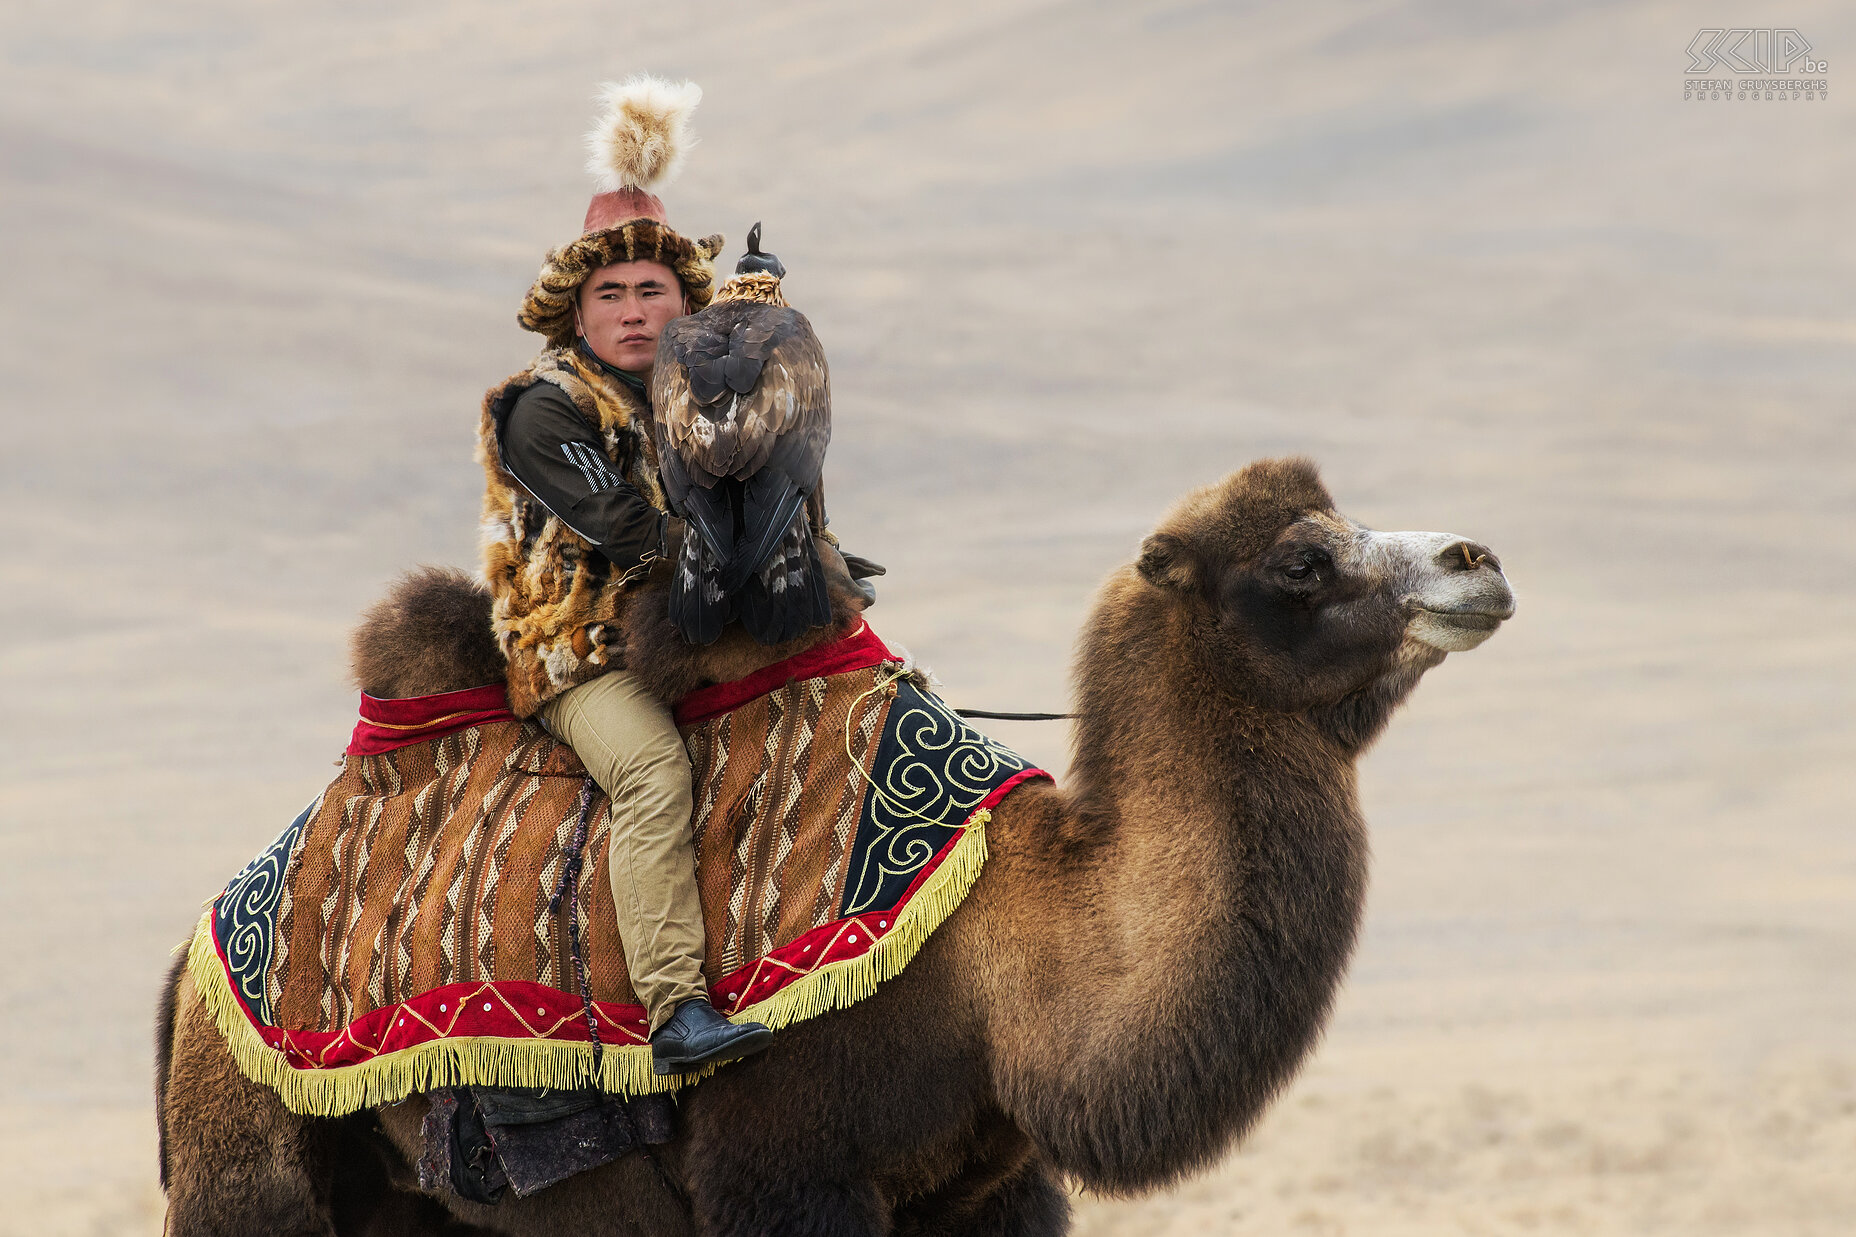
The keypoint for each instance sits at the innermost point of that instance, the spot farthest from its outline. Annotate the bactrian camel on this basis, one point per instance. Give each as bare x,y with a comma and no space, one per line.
1146,959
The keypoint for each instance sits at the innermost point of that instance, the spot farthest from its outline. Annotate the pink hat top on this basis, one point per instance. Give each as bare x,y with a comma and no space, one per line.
609,210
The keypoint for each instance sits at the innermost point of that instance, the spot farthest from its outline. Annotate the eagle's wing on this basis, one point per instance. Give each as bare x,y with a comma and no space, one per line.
787,409
691,352
687,354
733,382
741,400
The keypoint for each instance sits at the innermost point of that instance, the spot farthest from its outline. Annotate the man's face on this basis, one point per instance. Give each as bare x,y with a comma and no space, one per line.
622,309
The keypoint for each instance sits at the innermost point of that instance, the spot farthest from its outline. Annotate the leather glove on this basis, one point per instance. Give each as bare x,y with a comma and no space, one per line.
862,568
670,537
832,555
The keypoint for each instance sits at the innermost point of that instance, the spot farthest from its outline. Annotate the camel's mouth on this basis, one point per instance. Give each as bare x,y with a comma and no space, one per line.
1457,631
1470,620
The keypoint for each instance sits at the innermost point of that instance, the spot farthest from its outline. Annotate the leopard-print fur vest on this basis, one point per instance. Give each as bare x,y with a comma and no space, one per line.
559,606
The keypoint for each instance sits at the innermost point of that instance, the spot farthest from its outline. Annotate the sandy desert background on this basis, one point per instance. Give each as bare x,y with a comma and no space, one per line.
1070,258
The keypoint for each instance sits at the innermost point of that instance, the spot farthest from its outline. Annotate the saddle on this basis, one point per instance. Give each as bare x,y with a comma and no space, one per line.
440,915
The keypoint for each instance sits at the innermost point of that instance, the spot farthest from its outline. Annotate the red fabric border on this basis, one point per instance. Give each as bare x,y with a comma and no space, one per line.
857,651
500,1009
401,722
387,724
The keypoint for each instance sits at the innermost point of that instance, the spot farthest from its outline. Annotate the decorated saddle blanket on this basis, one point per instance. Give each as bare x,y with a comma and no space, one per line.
441,914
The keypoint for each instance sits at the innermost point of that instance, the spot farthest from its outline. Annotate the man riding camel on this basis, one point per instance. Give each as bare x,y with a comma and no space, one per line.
574,517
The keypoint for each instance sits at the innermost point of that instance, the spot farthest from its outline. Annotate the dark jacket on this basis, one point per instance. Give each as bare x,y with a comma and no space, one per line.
549,447
559,602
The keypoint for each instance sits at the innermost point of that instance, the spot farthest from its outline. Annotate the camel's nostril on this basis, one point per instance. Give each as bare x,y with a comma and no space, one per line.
1468,556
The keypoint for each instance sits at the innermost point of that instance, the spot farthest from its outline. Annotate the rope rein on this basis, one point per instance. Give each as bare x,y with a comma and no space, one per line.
887,679
882,684
569,887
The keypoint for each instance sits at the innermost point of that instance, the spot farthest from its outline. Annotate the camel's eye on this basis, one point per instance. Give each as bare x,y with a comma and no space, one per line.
1305,564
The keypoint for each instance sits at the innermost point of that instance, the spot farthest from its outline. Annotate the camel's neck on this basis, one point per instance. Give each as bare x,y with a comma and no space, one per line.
1196,893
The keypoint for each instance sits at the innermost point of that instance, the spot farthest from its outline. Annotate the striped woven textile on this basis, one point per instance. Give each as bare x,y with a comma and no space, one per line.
403,932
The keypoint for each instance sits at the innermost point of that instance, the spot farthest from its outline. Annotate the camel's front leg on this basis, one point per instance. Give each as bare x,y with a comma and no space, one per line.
773,1149
1002,1189
776,1200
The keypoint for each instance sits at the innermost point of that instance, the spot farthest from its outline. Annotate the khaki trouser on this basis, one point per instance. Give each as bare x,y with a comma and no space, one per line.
629,743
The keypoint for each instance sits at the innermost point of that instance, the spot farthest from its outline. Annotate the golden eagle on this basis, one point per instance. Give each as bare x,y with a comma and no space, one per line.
741,400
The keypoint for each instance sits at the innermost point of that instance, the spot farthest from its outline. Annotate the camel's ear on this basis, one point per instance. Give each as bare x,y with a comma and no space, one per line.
1167,562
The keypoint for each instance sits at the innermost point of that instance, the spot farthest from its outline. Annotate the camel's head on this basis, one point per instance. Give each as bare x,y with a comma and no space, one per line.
1299,608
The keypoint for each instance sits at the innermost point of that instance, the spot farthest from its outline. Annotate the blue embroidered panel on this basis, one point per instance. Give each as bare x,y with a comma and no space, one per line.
245,918
931,769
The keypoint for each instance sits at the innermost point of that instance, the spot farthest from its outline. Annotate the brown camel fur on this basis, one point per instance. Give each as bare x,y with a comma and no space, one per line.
1147,957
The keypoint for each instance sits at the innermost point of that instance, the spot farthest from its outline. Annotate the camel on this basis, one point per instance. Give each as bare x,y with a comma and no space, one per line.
1146,959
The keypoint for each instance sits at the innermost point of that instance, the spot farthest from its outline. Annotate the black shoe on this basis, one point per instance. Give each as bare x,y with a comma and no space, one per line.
697,1036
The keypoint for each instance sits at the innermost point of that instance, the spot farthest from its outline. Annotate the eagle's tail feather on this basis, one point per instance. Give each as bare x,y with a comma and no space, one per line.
769,501
709,512
787,596
699,606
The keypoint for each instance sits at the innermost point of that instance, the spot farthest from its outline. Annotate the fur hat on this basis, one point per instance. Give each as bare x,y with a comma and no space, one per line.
638,144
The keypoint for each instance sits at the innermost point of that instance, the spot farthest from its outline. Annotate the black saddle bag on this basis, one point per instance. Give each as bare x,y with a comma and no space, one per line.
482,1141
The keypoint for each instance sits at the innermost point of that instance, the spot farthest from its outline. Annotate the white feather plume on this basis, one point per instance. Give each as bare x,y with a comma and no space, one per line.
640,141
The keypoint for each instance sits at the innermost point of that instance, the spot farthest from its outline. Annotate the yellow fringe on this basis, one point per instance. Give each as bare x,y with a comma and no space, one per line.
495,1062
